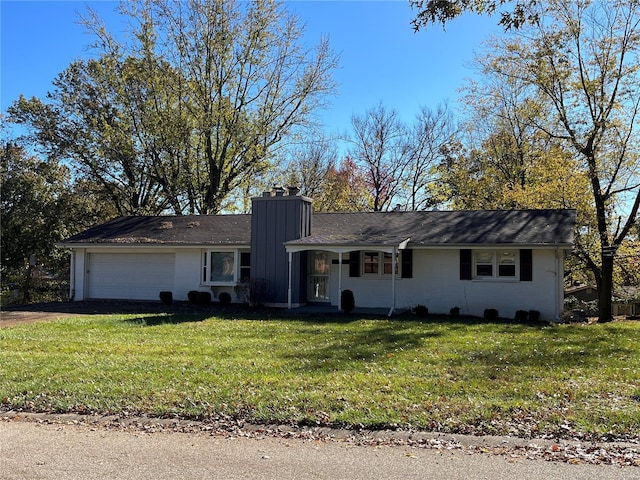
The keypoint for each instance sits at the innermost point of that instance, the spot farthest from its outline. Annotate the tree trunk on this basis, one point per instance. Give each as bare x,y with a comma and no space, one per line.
26,288
605,292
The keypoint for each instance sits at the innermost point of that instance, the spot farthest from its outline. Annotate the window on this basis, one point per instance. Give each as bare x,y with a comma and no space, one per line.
506,264
318,278
494,263
514,264
388,264
376,263
219,267
371,262
484,264
245,267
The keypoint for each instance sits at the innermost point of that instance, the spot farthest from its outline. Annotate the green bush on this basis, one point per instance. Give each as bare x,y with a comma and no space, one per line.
521,316
420,311
491,314
224,298
204,298
193,296
166,297
347,301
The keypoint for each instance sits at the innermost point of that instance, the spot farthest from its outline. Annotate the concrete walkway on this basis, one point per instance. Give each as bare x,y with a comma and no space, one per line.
49,451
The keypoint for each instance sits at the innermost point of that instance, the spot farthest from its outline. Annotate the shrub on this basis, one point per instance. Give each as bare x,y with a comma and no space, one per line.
534,316
193,296
224,298
204,298
490,314
258,291
420,311
166,297
347,301
243,292
455,312
521,316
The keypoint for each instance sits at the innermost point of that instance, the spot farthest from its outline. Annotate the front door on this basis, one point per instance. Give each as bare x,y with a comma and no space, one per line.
318,282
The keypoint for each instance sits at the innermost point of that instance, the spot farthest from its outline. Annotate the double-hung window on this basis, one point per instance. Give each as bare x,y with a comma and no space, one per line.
378,263
225,267
495,263
371,263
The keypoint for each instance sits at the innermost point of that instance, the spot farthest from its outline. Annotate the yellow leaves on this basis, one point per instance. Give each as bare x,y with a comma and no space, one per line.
553,181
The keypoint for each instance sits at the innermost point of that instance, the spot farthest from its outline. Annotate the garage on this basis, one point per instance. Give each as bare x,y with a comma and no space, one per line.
135,276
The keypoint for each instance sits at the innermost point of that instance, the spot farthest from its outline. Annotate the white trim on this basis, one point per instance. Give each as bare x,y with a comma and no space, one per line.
72,275
338,249
289,291
339,281
205,269
148,246
405,244
559,260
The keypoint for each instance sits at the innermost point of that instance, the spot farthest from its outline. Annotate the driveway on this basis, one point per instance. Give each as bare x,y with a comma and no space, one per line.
74,450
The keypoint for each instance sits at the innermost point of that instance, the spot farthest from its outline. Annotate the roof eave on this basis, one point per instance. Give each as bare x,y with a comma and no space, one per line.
347,247
150,245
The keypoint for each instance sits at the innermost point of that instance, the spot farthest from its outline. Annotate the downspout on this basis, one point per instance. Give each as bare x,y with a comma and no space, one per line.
393,282
559,283
561,257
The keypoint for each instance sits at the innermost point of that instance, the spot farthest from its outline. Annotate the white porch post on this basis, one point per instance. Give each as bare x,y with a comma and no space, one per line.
339,280
289,290
393,281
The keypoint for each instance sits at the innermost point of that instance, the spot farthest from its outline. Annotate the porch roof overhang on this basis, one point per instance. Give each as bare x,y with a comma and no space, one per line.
401,243
346,244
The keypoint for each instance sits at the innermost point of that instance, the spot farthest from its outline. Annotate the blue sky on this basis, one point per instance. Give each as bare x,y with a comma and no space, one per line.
382,59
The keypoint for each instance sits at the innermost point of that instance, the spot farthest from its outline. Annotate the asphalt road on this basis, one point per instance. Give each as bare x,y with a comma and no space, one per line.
30,450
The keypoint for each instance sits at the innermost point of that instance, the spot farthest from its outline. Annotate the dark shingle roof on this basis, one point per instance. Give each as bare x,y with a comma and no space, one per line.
164,230
521,227
494,227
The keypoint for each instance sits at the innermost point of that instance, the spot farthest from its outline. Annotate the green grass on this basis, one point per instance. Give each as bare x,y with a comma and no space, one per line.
462,376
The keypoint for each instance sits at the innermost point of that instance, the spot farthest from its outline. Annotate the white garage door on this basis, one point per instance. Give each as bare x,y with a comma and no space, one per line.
134,276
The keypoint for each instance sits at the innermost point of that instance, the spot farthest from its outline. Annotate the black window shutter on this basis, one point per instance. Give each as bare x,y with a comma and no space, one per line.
354,263
466,265
526,265
406,261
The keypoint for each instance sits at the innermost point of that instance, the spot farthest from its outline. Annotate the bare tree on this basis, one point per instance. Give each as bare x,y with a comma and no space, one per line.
380,148
429,140
310,163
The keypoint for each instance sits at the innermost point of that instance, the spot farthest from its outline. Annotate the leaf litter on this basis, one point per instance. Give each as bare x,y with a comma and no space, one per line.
623,454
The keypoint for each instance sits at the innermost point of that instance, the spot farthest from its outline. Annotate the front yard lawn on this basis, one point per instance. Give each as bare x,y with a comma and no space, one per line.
465,376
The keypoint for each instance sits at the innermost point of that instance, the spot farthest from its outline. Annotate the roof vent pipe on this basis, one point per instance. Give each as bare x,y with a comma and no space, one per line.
293,191
278,191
